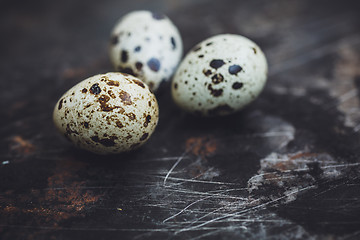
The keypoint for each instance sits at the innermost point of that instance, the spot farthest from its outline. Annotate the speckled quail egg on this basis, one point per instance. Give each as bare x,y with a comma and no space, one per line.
147,45
219,76
107,113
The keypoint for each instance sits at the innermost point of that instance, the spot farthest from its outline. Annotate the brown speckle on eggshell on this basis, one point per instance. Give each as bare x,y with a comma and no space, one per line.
151,49
221,73
116,115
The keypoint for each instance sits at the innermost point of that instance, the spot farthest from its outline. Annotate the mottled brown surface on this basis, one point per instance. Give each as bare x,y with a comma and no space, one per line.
201,146
64,198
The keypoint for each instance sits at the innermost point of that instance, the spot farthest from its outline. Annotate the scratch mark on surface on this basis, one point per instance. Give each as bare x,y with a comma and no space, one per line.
237,214
188,206
174,166
200,181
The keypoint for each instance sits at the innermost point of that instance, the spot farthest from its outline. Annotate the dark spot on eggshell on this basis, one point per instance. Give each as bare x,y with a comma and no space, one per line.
173,43
216,63
119,124
111,94
114,40
158,16
144,136
95,89
107,142
138,66
69,129
124,56
113,83
138,82
237,85
104,106
149,103
109,120
209,43
67,112
201,56
131,116
207,72
60,104
154,64
147,120
215,92
175,86
86,124
137,49
104,98
104,78
217,78
254,49
84,90
103,103
234,69
87,106
125,98
221,110
196,48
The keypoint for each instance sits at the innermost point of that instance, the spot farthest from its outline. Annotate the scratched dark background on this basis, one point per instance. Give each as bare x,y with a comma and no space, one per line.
286,167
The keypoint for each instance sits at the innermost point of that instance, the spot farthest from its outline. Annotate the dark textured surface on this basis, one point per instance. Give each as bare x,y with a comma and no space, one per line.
286,167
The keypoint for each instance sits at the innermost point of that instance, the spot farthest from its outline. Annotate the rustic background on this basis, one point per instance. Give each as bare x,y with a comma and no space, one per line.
286,167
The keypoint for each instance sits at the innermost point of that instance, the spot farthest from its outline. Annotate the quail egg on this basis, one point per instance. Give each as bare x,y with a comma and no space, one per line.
107,113
220,76
147,45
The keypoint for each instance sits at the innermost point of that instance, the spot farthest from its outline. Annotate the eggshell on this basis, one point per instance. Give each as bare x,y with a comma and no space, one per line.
220,76
107,113
147,45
